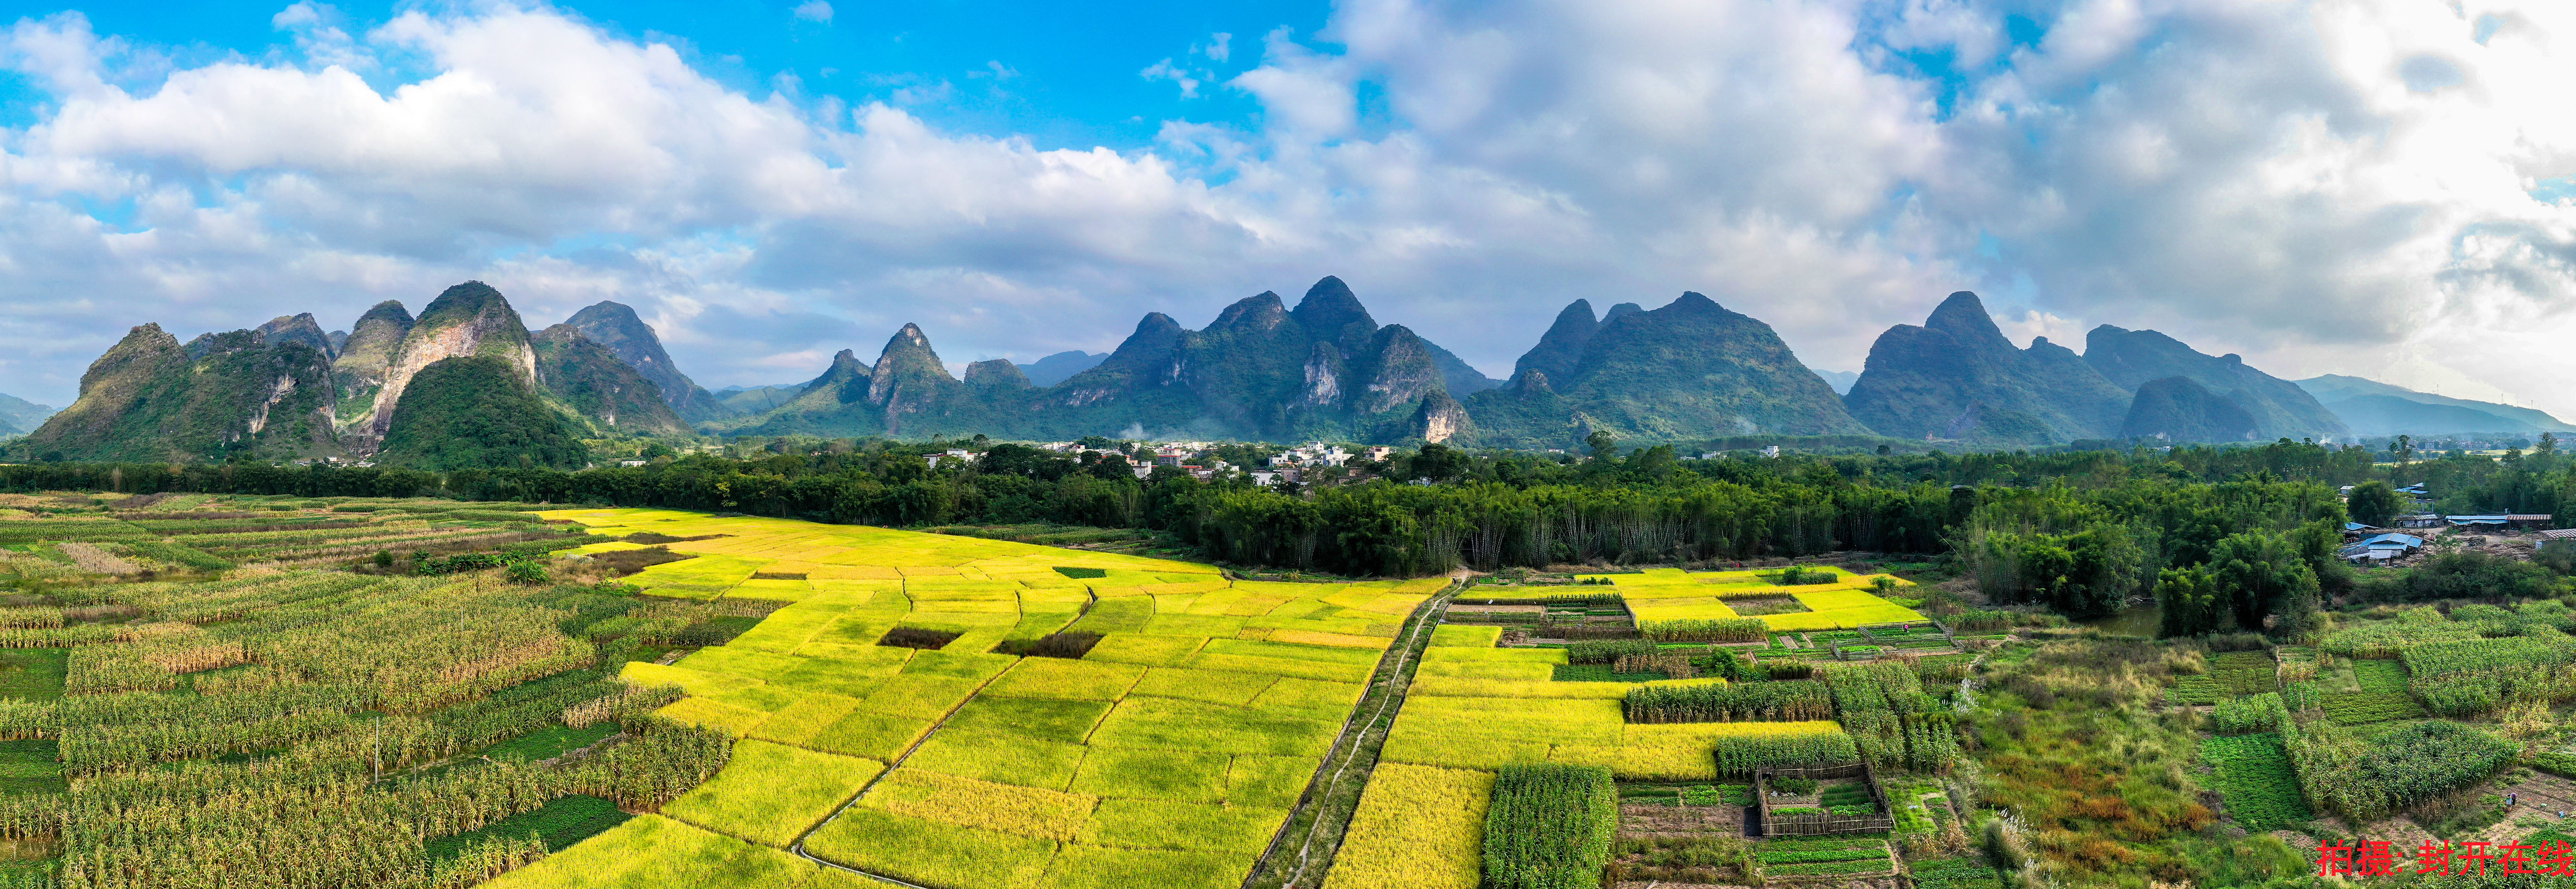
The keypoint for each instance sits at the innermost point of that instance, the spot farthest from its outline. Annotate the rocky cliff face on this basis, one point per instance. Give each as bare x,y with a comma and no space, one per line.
363,359
909,379
1921,381
1686,371
1441,418
280,392
613,325
467,319
1402,374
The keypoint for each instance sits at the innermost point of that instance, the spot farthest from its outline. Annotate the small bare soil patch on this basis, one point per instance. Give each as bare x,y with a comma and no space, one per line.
628,561
650,537
1757,606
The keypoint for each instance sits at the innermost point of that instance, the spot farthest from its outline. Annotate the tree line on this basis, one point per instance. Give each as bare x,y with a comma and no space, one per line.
2228,538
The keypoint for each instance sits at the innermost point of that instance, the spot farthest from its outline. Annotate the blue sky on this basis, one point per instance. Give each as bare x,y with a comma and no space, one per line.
1061,74
2373,187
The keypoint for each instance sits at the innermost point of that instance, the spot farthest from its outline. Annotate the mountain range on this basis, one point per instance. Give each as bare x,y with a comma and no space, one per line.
2375,408
1325,369
287,389
467,383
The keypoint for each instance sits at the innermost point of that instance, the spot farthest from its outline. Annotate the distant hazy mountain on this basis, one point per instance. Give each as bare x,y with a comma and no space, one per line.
2279,407
2178,409
1840,380
1060,367
615,326
748,400
1688,370
2379,418
1957,377
2391,415
19,416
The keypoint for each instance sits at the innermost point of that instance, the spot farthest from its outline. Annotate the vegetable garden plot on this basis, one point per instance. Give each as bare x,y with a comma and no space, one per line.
2255,778
1166,754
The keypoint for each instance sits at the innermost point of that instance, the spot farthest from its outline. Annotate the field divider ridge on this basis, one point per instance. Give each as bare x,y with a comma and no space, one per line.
1319,800
798,847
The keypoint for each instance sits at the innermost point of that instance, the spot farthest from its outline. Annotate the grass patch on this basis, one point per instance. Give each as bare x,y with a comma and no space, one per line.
34,673
555,739
1600,673
561,822
32,765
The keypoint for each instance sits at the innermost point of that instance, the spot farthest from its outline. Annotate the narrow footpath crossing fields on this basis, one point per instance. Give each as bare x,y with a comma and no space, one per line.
1167,754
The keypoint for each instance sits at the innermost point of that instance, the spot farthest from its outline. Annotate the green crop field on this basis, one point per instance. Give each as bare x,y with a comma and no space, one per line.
2256,779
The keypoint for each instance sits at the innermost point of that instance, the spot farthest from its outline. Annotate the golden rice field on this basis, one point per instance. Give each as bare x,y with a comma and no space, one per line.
1168,756
1485,708
1418,827
1672,594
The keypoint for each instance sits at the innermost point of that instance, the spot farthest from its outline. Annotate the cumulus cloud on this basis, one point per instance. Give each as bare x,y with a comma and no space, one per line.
2342,186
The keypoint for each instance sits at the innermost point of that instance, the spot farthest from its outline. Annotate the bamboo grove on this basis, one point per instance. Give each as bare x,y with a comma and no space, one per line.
314,729
2075,530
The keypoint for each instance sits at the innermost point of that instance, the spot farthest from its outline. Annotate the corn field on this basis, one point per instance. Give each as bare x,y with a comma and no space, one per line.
1549,827
1742,754
315,729
1744,629
1778,701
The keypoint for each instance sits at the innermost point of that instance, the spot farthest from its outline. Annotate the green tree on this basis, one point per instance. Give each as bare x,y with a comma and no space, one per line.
2372,503
2190,602
2265,575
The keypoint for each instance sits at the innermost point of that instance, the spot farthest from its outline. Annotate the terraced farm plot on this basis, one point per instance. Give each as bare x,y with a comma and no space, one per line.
1661,594
1168,754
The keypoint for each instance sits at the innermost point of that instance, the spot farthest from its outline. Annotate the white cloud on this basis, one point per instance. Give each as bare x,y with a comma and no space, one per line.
1165,70
2338,186
815,11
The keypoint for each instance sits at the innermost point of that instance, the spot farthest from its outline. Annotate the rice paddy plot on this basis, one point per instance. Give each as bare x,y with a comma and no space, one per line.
1845,602
1167,754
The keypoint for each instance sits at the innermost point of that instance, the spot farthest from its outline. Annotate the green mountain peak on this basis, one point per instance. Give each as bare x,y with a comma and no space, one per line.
615,326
